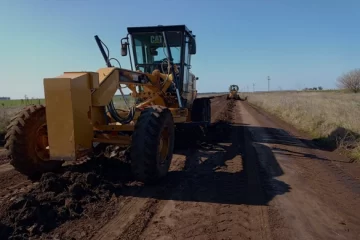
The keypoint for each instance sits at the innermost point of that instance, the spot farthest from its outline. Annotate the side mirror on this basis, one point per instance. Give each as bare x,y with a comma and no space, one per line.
192,46
197,78
123,49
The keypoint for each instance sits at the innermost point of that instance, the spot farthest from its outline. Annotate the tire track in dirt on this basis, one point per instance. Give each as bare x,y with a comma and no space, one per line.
12,183
138,207
140,210
206,198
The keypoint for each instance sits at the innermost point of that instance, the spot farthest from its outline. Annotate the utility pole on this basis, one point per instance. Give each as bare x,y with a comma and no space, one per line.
268,84
253,87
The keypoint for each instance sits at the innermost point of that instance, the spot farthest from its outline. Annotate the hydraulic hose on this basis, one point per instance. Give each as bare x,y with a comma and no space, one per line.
111,108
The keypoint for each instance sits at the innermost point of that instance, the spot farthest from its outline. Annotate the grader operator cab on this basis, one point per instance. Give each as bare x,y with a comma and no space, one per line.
234,93
79,111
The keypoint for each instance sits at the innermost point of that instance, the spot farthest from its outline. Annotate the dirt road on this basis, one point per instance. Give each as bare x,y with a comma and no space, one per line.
253,177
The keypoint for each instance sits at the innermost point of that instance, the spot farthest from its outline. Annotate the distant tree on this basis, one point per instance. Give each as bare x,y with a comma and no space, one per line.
314,88
320,88
350,81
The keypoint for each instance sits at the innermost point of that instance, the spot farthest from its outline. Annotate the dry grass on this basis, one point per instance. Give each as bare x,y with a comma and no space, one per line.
330,116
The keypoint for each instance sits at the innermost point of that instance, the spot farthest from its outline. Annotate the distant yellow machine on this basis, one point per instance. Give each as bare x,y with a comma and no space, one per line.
79,111
234,93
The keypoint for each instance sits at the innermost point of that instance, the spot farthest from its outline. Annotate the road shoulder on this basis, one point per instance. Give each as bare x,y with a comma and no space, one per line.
321,201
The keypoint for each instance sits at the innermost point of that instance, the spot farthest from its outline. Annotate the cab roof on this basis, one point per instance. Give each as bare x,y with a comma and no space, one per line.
160,28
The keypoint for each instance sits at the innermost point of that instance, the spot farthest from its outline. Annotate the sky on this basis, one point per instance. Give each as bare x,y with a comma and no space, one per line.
297,43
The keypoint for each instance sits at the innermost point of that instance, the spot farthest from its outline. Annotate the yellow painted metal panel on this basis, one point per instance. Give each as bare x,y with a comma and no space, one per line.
68,105
81,107
104,72
98,116
109,83
59,118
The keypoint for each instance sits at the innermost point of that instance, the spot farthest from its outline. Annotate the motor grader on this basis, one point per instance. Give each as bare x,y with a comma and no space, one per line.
79,111
234,93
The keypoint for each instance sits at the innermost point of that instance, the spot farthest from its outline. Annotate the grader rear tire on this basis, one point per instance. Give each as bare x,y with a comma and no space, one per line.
26,142
152,144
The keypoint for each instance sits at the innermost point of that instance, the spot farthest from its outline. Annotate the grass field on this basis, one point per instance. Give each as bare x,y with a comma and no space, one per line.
331,117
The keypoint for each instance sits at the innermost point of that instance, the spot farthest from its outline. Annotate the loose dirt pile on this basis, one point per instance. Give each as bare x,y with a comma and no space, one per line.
227,115
60,197
221,127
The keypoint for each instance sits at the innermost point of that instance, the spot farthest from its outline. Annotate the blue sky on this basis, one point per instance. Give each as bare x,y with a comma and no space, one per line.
297,43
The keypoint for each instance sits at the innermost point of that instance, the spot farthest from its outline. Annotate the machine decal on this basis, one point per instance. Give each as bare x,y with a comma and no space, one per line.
157,39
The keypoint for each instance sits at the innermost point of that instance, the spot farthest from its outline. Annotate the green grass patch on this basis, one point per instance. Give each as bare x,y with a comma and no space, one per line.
20,102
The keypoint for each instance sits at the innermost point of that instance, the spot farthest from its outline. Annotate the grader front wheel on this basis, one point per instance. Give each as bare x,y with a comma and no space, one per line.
152,144
27,143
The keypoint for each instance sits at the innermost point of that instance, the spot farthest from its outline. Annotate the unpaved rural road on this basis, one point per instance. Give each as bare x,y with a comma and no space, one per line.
252,178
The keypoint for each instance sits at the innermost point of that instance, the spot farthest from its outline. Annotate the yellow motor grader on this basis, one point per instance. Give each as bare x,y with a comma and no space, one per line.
79,110
234,93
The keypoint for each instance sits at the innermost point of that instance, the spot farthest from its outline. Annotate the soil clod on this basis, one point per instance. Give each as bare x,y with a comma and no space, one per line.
60,197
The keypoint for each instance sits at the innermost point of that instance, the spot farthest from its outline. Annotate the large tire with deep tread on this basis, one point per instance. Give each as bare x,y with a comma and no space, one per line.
145,156
21,142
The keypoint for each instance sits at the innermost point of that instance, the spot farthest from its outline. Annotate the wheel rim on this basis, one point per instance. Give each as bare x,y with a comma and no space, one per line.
164,145
42,144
